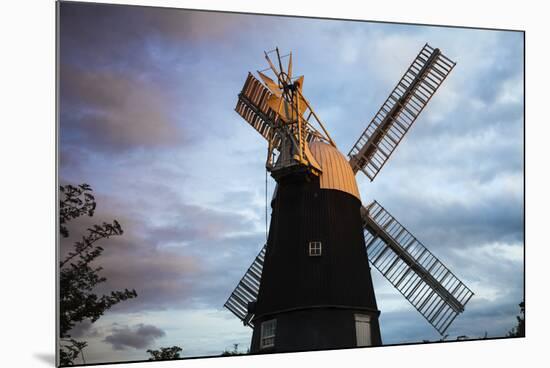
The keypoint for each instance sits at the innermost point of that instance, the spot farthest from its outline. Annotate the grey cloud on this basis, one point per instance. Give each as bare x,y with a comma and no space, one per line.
181,263
140,336
129,261
455,224
125,36
108,111
455,180
191,222
495,319
84,329
116,64
224,268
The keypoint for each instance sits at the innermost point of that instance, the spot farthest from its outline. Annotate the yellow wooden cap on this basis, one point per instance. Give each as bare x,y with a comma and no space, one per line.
337,173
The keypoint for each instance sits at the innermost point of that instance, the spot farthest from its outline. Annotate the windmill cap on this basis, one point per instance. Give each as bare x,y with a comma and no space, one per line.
337,173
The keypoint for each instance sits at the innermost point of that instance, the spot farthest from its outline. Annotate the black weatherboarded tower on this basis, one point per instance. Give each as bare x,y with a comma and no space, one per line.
316,284
310,286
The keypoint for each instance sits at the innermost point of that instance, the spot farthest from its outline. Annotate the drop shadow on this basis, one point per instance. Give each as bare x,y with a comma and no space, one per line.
46,358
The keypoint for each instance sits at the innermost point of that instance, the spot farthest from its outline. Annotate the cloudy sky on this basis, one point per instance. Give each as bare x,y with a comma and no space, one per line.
146,118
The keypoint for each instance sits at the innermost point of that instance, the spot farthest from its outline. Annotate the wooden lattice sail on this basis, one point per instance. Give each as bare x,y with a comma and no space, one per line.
246,291
412,269
400,110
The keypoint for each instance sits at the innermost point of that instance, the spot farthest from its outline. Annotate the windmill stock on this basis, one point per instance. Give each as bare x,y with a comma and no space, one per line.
310,287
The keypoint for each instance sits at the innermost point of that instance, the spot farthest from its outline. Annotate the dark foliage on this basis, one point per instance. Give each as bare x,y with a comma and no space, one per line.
235,351
172,352
458,338
519,330
70,350
77,276
76,201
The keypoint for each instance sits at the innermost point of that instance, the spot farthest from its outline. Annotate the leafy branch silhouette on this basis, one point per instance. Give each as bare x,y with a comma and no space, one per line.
165,353
77,276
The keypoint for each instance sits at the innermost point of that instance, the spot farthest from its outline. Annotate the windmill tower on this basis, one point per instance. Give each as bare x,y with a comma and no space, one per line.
310,286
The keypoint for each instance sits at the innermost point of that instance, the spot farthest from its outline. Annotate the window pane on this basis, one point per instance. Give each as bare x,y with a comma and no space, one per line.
267,338
315,248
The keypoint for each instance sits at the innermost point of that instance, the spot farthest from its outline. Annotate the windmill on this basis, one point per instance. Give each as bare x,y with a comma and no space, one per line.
310,286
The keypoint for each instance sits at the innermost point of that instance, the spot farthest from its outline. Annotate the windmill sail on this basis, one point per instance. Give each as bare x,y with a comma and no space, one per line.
417,86
253,107
404,261
247,290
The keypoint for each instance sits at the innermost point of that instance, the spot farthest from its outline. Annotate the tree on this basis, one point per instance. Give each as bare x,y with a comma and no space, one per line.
165,353
235,351
519,330
77,201
77,276
71,350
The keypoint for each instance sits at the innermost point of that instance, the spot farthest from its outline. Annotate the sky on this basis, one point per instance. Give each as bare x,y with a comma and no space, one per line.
146,117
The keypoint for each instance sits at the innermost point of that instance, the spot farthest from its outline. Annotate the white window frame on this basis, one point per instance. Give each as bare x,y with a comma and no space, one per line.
315,249
267,333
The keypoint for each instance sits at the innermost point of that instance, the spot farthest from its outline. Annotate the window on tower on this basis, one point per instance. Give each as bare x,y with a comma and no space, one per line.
267,335
315,248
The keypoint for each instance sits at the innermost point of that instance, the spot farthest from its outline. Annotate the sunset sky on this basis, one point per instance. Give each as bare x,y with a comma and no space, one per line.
147,118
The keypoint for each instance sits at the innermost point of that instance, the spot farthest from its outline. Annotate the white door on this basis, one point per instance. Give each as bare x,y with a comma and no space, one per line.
362,330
